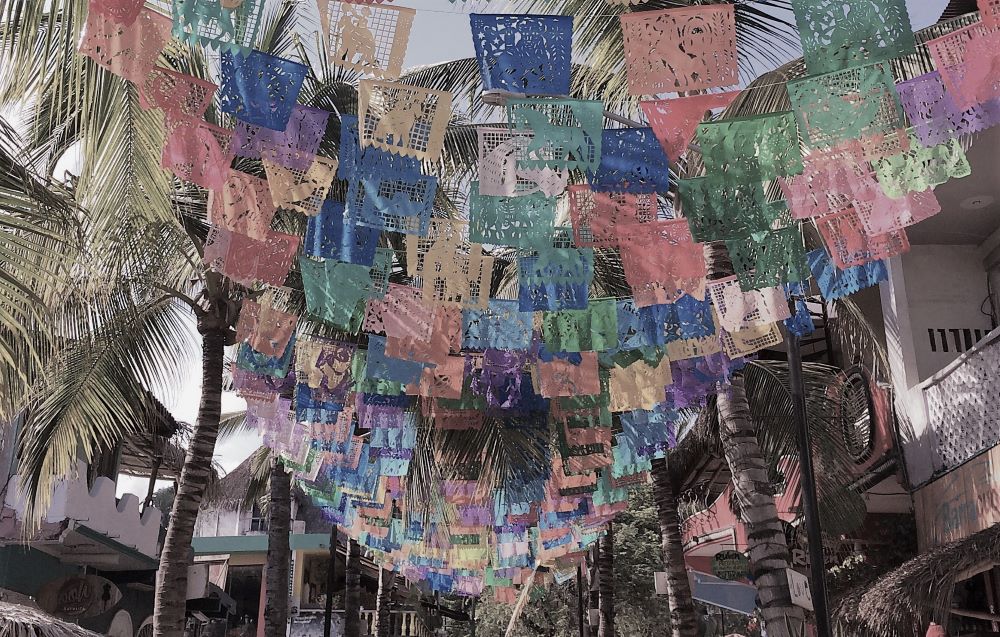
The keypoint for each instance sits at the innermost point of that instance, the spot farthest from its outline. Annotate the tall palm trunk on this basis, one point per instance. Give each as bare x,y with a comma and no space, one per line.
769,556
352,592
278,552
171,581
683,621
383,603
606,582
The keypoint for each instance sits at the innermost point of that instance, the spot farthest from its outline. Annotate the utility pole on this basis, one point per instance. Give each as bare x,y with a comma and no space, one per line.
330,582
807,481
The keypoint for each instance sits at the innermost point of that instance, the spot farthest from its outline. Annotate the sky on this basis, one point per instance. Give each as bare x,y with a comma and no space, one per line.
440,33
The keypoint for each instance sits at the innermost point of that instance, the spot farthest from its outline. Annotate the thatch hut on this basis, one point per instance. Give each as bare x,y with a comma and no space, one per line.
22,621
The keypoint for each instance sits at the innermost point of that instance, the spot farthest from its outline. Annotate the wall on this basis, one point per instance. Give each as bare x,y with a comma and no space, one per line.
218,522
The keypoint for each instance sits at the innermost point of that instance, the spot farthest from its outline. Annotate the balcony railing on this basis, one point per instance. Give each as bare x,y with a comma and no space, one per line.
404,623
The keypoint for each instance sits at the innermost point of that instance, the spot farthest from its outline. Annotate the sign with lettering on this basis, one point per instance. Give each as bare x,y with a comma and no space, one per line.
959,503
798,587
730,565
78,596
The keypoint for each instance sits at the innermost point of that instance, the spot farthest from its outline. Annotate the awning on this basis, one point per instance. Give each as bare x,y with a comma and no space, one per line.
734,596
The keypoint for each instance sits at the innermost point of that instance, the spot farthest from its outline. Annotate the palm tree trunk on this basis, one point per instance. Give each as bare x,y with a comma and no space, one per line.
606,582
383,603
683,621
769,557
171,581
352,592
278,552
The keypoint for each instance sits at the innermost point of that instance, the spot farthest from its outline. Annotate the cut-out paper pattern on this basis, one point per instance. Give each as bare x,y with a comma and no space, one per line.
750,340
355,161
592,329
366,38
330,236
831,180
738,310
608,219
393,202
697,378
266,328
857,106
121,11
502,325
674,121
566,133
243,205
248,261
325,364
640,327
921,168
835,283
880,213
380,271
849,245
228,25
632,160
294,147
198,152
840,34
127,50
259,88
680,50
934,114
688,317
639,385
968,61
776,258
755,148
402,119
527,54
555,279
718,209
301,190
444,380
275,366
385,367
664,264
403,313
501,153
334,291
562,377
526,221
445,337
177,94
450,271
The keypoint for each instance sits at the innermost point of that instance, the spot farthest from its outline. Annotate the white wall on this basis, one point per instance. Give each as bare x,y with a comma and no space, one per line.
217,522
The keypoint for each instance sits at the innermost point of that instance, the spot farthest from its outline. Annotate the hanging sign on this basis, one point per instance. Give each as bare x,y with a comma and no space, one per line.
78,596
798,588
730,565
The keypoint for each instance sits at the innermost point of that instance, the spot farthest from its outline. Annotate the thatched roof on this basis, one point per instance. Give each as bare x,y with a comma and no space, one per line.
21,621
230,491
903,602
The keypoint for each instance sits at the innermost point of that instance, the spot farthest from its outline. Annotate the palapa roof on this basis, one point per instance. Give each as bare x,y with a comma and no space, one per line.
904,601
22,621
230,491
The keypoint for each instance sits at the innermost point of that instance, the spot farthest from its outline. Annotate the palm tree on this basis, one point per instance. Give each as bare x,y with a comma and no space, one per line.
383,603
683,620
606,582
352,591
278,551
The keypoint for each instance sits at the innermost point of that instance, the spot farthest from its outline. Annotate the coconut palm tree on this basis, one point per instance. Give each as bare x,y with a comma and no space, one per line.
352,591
278,550
606,582
383,603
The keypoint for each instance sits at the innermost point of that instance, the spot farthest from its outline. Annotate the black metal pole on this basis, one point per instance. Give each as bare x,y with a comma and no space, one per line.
579,598
330,582
807,481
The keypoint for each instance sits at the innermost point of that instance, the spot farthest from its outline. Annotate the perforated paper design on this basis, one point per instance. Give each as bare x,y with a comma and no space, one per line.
839,34
500,326
129,51
501,379
674,121
677,50
775,259
501,153
393,202
293,147
595,328
696,378
380,271
330,236
935,115
562,377
445,337
334,290
880,214
750,340
664,264
197,151
369,39
603,219
301,190
223,24
527,54
830,181
738,310
274,366
266,328
403,313
835,283
444,380
632,160
177,94
555,279
406,120
857,106
989,12
969,61
324,364
718,209
519,222
248,261
243,205
921,168
849,245
688,318
120,11
566,133
640,327
385,367
756,148
259,88
639,385
356,161
450,270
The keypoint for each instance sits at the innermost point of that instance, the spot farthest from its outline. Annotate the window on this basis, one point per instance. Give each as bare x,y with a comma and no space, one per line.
258,522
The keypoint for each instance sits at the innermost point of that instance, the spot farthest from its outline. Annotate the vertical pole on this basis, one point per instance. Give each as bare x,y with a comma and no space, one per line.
331,573
807,479
579,598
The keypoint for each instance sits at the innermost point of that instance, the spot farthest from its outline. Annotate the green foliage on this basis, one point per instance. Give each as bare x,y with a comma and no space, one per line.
163,499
